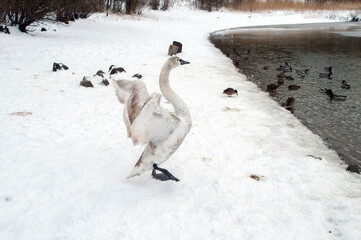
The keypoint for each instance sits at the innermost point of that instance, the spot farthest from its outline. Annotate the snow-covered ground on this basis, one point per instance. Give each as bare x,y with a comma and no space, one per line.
63,167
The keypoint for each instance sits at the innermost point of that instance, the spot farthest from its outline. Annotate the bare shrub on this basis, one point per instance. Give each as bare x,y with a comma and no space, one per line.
134,6
72,10
209,5
23,13
154,4
165,5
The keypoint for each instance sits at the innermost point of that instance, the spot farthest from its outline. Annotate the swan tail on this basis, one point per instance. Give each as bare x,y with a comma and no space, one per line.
145,162
140,168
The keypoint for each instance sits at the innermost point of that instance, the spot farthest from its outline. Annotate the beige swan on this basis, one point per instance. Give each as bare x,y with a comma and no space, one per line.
147,122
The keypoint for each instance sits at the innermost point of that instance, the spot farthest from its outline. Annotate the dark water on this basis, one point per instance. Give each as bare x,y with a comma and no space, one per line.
312,47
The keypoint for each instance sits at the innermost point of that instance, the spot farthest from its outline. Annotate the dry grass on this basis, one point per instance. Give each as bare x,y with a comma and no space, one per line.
256,177
290,5
23,114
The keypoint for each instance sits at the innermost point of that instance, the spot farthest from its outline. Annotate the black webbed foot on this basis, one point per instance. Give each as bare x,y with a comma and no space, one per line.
164,176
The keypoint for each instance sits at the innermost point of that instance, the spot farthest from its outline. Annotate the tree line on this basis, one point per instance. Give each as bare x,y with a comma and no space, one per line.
23,13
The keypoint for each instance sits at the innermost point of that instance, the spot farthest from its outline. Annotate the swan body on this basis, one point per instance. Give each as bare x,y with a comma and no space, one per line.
147,122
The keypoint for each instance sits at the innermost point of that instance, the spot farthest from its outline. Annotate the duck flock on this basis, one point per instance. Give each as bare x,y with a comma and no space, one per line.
286,69
285,74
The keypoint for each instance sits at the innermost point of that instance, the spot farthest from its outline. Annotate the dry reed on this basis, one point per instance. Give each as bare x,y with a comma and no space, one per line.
290,5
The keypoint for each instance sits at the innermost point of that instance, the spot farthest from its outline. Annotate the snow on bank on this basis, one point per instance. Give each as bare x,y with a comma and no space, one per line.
62,167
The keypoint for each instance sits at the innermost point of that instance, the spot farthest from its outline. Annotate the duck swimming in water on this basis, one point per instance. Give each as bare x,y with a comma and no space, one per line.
323,90
328,69
281,75
230,92
336,97
147,122
280,81
289,104
325,75
345,85
272,87
302,73
286,68
293,87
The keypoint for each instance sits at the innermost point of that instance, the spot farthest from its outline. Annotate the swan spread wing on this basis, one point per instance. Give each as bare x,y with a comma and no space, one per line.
146,121
154,124
161,130
133,94
125,88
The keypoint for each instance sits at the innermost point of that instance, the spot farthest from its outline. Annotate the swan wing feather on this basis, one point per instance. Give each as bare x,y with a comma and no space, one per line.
154,124
133,94
125,89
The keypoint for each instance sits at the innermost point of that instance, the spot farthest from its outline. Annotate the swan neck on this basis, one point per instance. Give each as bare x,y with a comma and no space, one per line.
180,107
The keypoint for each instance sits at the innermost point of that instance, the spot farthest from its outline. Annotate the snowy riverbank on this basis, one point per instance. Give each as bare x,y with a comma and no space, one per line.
62,168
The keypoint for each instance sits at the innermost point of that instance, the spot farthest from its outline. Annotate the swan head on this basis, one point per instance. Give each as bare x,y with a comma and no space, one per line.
174,62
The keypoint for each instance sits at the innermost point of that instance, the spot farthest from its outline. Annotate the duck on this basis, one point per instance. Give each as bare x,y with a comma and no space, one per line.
325,75
289,104
328,69
280,81
265,67
272,87
289,78
323,90
293,87
281,75
99,73
113,69
336,97
302,73
236,52
345,85
230,92
289,69
147,122
306,71
280,68
137,75
286,68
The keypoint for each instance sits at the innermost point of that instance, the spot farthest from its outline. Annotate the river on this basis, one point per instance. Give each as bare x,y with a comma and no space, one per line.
259,51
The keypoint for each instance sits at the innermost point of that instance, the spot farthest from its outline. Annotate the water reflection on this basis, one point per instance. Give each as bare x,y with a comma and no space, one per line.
312,47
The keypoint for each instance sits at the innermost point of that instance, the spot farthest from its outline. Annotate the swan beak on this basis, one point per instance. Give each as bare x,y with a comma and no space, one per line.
183,62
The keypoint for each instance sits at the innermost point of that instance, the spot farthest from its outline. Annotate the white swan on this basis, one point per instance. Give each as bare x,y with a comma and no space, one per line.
149,123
